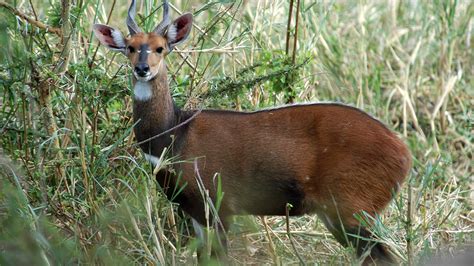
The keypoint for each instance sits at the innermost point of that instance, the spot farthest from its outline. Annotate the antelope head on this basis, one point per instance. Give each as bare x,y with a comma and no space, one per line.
146,51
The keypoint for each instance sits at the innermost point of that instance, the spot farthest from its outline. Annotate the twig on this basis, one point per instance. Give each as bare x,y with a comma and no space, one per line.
169,130
270,241
449,86
209,206
295,37
107,22
214,50
136,228
216,18
295,232
65,55
199,29
288,232
291,97
44,85
230,86
33,10
288,28
409,225
33,22
36,18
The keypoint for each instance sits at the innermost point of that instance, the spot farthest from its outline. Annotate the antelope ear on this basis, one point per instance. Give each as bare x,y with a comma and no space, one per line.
179,30
110,37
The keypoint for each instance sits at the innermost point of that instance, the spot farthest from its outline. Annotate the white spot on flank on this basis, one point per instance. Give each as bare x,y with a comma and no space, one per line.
152,159
142,91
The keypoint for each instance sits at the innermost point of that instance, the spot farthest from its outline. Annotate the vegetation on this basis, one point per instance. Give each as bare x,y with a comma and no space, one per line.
74,188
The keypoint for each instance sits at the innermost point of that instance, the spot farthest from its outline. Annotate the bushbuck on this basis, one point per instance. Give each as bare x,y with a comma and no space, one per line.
325,158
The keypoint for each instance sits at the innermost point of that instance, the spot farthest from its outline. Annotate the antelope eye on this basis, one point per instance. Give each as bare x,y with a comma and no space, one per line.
131,49
159,50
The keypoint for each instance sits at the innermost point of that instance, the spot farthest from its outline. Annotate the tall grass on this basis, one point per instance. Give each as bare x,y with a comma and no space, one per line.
74,189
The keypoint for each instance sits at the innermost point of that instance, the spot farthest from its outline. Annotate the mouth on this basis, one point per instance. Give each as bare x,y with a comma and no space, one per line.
145,78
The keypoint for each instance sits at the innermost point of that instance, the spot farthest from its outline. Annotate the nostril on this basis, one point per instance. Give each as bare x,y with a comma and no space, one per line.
142,69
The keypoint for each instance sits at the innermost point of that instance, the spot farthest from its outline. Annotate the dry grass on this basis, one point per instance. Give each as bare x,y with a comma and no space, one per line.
78,191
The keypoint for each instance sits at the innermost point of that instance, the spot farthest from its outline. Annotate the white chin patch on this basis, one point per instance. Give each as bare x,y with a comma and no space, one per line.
145,78
142,91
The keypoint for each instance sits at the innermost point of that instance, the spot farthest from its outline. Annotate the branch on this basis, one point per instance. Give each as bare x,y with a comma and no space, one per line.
288,30
33,22
288,232
169,130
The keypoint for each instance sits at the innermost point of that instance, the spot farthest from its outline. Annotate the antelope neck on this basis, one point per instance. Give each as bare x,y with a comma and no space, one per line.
154,111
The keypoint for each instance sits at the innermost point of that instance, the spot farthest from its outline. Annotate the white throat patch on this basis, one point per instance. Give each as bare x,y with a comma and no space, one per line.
142,91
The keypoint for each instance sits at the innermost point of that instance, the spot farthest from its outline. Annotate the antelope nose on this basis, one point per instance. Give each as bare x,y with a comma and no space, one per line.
142,69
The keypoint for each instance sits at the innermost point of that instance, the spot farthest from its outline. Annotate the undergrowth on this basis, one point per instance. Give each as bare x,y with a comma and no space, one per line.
74,189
